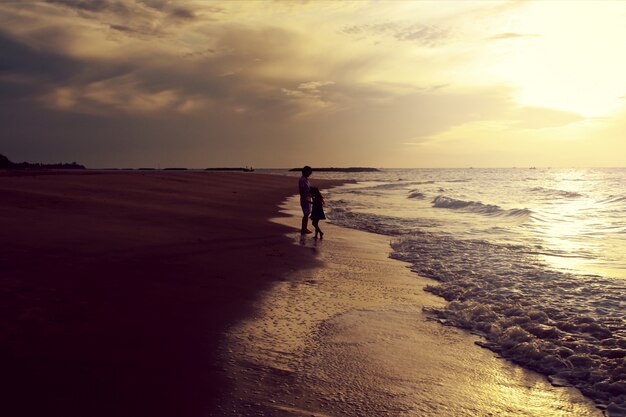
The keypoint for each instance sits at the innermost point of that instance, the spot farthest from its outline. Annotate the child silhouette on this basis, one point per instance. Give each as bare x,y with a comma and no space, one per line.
317,213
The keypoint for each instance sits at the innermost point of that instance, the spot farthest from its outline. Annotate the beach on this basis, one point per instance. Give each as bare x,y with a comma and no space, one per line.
173,294
348,337
470,157
117,286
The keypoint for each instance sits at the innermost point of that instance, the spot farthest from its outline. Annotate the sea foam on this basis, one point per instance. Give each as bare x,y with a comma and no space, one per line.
506,294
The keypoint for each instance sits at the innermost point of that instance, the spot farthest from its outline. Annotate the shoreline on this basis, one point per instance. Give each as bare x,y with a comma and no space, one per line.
116,288
349,338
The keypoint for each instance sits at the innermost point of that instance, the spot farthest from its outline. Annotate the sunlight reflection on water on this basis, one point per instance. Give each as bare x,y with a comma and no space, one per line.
533,260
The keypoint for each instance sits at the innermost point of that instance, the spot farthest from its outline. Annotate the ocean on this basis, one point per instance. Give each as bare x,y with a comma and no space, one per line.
533,260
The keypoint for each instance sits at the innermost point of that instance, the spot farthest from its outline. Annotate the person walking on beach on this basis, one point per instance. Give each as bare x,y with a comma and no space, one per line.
317,213
305,198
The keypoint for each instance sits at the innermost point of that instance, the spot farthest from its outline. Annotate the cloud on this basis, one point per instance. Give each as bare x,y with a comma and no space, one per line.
130,8
123,28
124,95
310,95
93,5
140,76
314,85
134,82
423,34
182,13
132,17
262,70
512,35
488,110
540,118
427,35
20,57
244,87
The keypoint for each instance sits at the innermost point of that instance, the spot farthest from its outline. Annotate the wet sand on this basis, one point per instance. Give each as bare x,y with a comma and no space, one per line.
116,288
349,338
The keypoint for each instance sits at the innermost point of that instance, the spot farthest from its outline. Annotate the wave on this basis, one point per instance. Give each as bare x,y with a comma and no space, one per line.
552,192
570,327
508,296
388,186
338,213
614,199
477,207
452,203
416,195
399,185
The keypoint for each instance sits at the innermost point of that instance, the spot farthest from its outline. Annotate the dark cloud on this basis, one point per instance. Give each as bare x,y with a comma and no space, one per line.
224,76
122,28
45,66
98,6
176,9
30,72
182,13
132,17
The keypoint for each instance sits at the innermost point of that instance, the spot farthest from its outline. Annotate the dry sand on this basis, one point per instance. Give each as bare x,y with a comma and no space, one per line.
349,338
115,288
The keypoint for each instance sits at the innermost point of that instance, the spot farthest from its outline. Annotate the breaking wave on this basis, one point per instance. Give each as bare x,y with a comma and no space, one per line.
506,296
374,223
399,185
551,192
477,207
417,195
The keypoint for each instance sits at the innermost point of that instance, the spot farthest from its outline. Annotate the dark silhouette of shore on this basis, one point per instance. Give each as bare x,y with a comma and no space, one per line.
350,169
231,169
6,163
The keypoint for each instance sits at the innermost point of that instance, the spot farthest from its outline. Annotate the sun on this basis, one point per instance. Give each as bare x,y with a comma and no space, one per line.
566,57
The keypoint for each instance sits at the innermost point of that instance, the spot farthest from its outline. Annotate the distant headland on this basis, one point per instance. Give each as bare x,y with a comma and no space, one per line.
5,163
350,169
246,169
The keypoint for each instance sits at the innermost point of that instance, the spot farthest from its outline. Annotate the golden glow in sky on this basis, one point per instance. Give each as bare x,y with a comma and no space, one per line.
570,61
282,83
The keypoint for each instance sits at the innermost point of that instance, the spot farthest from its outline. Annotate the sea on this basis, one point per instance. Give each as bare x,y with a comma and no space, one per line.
532,260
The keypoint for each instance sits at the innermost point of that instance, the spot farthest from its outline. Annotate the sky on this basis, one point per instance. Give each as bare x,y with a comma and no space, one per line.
198,83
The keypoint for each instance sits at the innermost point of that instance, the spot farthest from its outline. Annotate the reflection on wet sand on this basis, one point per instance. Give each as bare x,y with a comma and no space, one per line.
350,339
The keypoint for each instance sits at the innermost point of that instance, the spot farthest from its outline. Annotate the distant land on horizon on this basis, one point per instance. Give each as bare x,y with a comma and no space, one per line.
350,169
176,169
6,163
246,169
